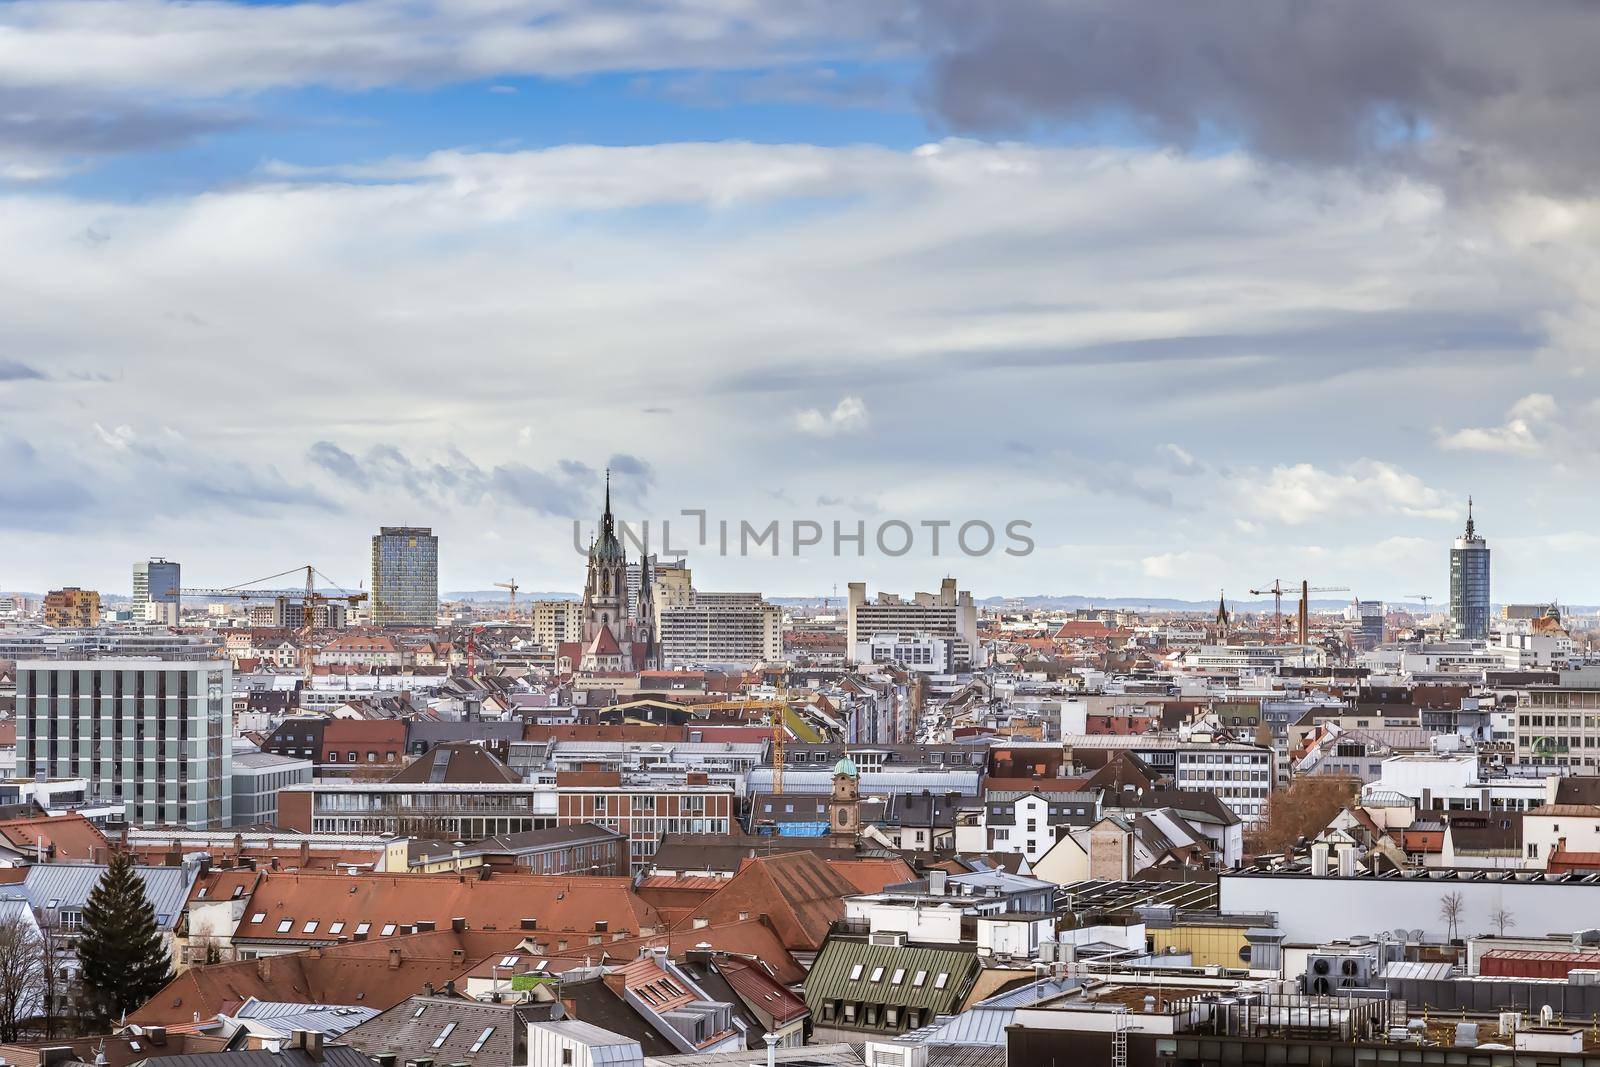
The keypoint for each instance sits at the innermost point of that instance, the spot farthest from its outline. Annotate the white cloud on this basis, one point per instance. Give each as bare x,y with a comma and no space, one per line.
848,416
1299,493
1530,425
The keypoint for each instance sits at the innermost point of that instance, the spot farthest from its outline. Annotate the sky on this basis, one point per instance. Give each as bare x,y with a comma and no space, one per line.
1187,297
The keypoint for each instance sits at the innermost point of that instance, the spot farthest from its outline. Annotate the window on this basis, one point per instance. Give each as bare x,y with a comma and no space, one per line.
877,975
285,925
336,928
310,927
919,978
898,976
388,928
477,1046
362,928
855,973
566,1057
420,1009
941,980
444,1035
259,916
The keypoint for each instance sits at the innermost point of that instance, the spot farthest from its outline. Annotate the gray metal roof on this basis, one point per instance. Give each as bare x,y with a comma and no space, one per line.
68,885
603,1045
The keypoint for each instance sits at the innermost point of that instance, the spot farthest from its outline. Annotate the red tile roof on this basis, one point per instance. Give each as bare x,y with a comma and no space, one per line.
797,891
71,836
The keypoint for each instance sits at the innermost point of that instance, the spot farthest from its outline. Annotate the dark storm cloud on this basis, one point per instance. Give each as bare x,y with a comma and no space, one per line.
1467,84
64,124
566,490
13,371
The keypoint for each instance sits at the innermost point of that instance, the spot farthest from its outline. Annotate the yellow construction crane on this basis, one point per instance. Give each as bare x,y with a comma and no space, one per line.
778,738
309,599
513,586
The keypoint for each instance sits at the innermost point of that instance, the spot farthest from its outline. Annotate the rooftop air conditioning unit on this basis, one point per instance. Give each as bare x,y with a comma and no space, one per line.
1326,973
888,939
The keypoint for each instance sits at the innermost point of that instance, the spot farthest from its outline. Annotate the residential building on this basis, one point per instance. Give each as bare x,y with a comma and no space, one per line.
156,585
72,608
1469,584
950,614
405,577
153,736
721,630
556,622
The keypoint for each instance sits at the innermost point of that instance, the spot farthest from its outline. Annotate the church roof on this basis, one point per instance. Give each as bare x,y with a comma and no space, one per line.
846,766
605,643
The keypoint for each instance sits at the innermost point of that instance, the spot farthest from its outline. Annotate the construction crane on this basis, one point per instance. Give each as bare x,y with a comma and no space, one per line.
1277,591
778,738
309,599
1424,597
513,586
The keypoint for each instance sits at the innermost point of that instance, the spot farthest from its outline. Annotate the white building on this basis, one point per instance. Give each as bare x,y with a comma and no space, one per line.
721,630
1453,781
950,614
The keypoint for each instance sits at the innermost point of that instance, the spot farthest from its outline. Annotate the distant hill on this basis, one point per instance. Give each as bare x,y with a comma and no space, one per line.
503,596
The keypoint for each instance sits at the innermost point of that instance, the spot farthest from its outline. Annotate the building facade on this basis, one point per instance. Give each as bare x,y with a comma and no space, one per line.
1469,584
405,577
152,736
950,614
156,585
72,608
721,629
257,778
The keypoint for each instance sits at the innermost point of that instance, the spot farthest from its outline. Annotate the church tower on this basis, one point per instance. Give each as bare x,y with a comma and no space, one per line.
844,807
605,590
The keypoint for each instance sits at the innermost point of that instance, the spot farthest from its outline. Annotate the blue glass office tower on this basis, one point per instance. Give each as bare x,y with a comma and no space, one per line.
405,577
1469,584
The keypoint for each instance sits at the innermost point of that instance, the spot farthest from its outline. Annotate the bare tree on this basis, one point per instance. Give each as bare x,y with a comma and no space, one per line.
57,995
1450,907
21,975
1502,919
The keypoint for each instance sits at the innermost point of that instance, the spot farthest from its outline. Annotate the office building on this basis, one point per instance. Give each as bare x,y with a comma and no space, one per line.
1369,624
721,630
405,577
948,614
1469,584
103,642
257,779
153,736
672,571
72,608
156,585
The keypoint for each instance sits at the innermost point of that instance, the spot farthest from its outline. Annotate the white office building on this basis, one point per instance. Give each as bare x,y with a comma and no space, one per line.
949,614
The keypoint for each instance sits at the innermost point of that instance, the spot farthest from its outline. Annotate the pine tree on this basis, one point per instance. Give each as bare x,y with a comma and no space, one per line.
124,962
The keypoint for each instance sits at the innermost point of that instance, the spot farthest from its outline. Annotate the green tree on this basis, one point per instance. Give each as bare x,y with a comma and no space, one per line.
124,961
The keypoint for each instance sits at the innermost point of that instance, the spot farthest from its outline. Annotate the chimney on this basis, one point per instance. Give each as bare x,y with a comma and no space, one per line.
394,959
1319,860
264,968
157,1035
1347,861
937,881
427,989
449,987
458,924
422,925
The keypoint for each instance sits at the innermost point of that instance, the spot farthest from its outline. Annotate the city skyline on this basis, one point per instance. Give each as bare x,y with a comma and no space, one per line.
1197,331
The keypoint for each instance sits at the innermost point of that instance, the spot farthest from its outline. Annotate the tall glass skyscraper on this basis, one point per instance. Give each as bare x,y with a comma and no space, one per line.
1469,584
405,577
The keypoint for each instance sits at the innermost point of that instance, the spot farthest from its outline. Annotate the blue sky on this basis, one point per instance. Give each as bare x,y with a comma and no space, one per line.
1203,298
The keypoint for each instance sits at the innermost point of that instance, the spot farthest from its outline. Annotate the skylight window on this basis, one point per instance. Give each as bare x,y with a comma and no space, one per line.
941,980
877,975
855,973
508,961
310,927
420,1009
259,916
444,1035
918,978
285,926
362,928
477,1046
336,928
898,976
388,928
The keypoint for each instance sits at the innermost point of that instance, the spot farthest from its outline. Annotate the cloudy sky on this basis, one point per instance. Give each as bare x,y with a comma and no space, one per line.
1206,294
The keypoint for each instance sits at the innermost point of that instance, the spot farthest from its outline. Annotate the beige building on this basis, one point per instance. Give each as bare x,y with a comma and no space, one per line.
950,614
721,629
556,621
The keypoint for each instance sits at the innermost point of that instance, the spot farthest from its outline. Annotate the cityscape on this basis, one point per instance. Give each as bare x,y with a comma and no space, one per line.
544,533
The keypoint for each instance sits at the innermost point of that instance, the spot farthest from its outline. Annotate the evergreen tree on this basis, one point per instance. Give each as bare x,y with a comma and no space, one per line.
124,962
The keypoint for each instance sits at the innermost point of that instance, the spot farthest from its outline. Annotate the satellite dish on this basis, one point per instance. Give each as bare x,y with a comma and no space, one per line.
1416,935
1401,933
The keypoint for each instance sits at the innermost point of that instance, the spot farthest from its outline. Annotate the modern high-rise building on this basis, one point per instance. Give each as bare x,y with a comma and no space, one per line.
555,621
1469,584
155,591
72,608
405,577
155,736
